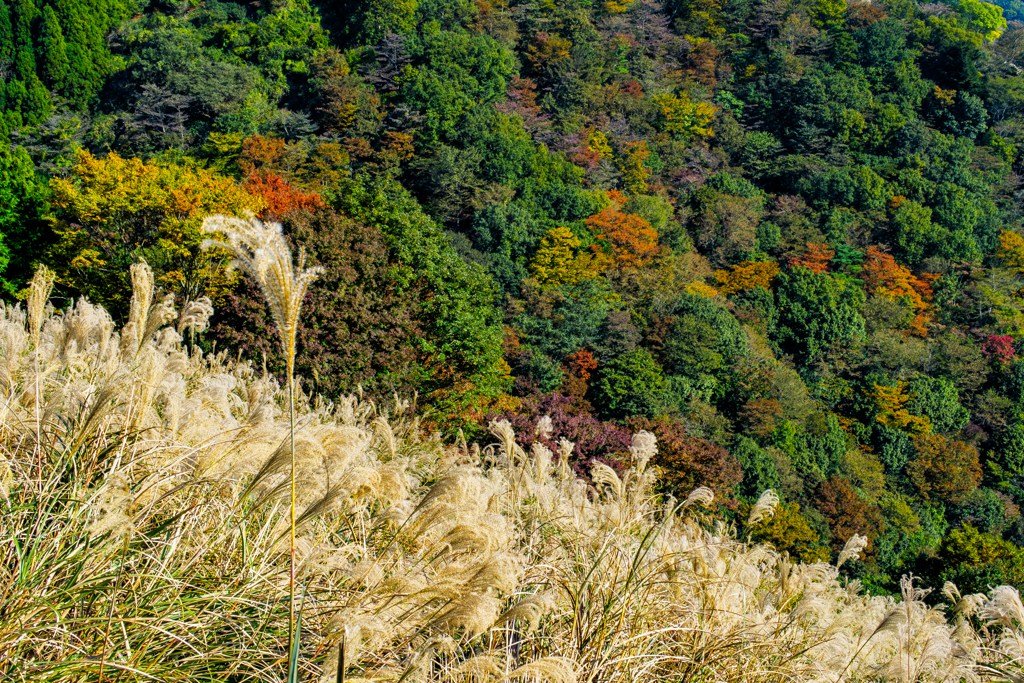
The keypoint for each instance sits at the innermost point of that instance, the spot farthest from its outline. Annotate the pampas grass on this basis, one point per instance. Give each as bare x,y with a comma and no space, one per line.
261,250
151,543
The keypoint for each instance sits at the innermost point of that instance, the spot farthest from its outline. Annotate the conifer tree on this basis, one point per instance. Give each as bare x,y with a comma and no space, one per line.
24,57
53,51
88,60
6,33
36,106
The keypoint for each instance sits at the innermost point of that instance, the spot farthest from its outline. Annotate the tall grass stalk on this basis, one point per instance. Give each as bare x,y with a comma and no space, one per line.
38,297
260,249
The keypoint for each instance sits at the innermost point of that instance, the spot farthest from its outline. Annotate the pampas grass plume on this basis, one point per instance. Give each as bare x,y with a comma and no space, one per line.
764,508
260,249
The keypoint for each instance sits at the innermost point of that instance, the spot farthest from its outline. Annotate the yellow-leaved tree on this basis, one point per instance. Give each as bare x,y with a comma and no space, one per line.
112,212
558,261
1011,251
890,405
747,275
684,119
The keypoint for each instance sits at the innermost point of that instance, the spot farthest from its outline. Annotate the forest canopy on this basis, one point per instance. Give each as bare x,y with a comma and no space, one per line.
784,236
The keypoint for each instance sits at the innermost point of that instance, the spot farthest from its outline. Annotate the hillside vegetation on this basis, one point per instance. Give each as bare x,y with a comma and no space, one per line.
784,237
145,529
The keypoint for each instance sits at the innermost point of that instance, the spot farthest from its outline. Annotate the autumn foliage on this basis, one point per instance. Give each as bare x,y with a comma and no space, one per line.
890,405
280,196
558,260
634,243
847,513
746,275
687,462
582,363
1011,250
944,468
884,277
999,347
816,259
115,211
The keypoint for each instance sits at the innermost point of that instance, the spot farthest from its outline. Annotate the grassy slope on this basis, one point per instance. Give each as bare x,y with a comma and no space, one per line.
144,537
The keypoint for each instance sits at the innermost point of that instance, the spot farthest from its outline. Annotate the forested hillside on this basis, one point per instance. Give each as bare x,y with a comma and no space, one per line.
783,236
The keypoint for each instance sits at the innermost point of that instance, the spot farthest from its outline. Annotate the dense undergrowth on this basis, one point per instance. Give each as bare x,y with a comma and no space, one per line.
144,537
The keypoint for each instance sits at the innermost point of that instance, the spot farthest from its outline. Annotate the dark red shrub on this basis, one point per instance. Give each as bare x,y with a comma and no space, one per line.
687,461
357,326
595,440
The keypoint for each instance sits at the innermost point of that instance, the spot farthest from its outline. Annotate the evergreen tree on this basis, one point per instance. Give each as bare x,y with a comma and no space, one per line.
6,33
88,59
53,51
24,57
36,105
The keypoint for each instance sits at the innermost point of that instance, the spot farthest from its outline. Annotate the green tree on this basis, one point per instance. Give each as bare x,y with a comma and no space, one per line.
23,208
704,341
7,47
936,398
53,57
508,235
462,330
632,384
817,313
25,15
981,17
915,234
759,470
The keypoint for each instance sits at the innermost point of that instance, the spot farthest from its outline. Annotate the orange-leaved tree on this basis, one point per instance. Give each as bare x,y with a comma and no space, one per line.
884,277
634,243
280,196
816,259
581,363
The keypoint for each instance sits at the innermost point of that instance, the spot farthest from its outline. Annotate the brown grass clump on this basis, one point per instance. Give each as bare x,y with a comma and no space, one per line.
145,493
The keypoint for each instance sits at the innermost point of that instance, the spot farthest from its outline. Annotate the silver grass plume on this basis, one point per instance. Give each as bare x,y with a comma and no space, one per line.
38,295
643,447
479,668
554,669
1003,607
963,605
144,317
852,550
530,609
195,315
702,495
138,310
544,427
261,250
764,508
5,479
